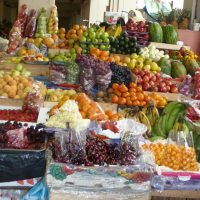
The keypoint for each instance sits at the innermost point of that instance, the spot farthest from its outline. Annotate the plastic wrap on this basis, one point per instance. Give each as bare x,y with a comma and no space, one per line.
72,72
68,146
197,85
15,37
179,152
185,87
31,24
22,17
57,74
89,109
39,191
21,164
104,182
11,194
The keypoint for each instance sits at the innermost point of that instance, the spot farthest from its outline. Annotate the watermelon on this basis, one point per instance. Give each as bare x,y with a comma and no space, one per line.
178,70
155,32
165,66
170,34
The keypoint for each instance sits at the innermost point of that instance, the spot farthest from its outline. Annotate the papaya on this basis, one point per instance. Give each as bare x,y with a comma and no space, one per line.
178,70
165,66
191,65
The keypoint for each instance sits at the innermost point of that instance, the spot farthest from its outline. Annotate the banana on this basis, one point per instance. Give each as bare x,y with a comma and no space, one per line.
173,116
157,129
144,120
101,29
152,113
170,107
118,31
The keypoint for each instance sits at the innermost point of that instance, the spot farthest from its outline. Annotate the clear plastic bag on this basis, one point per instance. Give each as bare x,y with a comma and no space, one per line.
186,86
89,109
11,194
57,74
22,17
68,146
197,85
15,37
72,72
179,152
31,24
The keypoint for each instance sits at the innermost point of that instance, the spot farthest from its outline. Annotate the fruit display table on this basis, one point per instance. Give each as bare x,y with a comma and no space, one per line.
174,194
36,70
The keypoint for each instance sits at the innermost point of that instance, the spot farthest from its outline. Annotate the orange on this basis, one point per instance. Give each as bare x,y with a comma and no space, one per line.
62,30
115,99
139,88
104,53
136,103
140,96
80,32
125,94
110,59
118,93
115,86
95,51
71,31
116,58
123,88
132,89
122,101
132,85
76,27
62,36
129,102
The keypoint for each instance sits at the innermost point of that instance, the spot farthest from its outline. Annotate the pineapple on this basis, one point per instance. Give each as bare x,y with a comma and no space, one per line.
184,19
173,18
162,18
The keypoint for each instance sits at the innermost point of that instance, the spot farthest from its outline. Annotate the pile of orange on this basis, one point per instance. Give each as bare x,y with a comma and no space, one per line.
174,156
132,96
88,108
76,32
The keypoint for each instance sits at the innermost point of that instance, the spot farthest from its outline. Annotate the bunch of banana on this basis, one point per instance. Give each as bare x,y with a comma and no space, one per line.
180,126
142,118
114,30
165,123
152,113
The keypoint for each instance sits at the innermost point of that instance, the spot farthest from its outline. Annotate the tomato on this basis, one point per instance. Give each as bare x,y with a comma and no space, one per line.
122,101
115,86
115,99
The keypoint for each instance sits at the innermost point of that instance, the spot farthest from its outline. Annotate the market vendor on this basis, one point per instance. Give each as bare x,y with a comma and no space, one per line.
153,7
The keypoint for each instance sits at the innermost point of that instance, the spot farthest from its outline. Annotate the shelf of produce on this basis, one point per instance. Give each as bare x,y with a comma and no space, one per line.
182,194
15,102
69,197
165,46
57,51
103,105
36,70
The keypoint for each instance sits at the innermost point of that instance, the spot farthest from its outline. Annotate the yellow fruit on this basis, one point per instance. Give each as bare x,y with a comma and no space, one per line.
21,52
30,52
48,42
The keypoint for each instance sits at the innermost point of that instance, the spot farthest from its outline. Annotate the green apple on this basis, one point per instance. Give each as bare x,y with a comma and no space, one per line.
72,50
85,34
19,67
71,41
92,35
83,39
102,47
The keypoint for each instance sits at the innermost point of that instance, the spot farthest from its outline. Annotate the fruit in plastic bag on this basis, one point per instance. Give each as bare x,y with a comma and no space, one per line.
41,24
53,21
22,17
31,24
15,37
179,152
197,85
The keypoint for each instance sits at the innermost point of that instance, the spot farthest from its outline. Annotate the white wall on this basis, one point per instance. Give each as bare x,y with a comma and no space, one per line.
97,9
38,4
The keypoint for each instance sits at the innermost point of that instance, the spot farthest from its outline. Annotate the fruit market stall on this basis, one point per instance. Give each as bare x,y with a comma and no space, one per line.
98,103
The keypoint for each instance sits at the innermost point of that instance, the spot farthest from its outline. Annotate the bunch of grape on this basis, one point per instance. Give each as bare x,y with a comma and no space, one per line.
120,74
